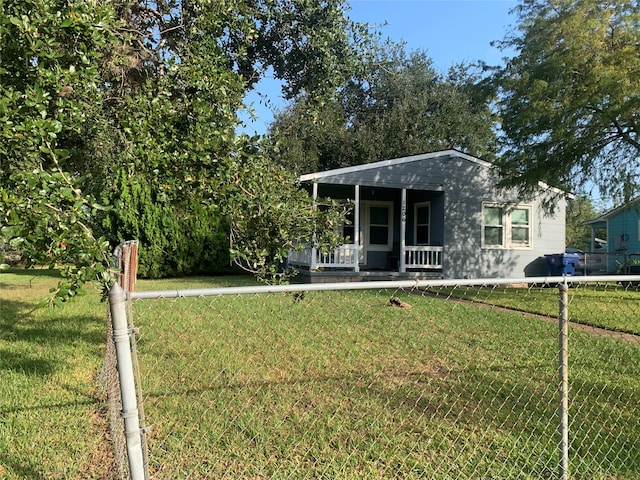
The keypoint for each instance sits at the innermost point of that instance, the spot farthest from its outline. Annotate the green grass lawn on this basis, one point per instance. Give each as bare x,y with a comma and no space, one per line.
336,385
605,305
50,422
340,385
52,406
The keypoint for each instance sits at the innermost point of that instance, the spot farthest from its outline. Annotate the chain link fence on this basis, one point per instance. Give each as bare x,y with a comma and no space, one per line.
432,379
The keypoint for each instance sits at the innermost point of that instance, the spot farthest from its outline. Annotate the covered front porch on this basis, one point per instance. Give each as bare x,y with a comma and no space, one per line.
390,230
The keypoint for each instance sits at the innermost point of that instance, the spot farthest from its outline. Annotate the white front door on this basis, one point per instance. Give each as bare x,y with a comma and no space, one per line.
377,228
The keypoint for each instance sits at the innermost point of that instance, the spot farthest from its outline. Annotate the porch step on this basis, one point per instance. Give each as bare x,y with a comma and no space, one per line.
304,276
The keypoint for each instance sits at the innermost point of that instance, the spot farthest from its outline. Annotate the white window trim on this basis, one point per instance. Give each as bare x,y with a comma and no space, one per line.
517,245
507,241
378,247
415,222
503,244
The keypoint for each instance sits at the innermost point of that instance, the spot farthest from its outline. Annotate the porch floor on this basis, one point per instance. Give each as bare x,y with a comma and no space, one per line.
305,276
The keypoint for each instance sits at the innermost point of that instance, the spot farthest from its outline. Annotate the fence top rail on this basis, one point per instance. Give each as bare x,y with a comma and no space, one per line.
381,285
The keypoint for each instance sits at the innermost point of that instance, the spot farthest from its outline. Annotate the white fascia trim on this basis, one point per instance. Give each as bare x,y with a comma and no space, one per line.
388,163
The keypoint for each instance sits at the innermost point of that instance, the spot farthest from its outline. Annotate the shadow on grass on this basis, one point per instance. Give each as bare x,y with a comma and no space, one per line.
26,364
19,468
19,326
51,406
27,277
58,332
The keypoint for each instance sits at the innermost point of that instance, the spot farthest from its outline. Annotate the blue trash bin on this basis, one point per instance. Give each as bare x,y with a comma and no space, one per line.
553,264
562,263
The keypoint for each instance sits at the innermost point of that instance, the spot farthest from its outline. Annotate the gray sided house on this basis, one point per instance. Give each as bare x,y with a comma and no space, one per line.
437,214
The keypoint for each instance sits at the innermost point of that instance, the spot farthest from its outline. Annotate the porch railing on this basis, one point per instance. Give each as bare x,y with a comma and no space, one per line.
422,256
344,256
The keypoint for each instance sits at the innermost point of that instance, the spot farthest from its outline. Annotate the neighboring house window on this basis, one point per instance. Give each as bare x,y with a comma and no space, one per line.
506,227
422,217
380,216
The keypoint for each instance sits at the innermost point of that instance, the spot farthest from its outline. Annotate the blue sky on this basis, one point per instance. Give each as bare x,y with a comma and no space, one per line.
450,31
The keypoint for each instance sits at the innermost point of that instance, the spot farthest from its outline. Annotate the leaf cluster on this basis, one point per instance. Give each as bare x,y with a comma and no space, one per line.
397,105
48,221
119,121
569,97
268,218
48,79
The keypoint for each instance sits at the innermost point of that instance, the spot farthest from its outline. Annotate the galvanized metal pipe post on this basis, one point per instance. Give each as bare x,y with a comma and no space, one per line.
121,339
563,369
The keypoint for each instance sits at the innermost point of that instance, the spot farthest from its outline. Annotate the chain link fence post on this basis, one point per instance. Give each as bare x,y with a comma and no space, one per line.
121,338
126,259
563,364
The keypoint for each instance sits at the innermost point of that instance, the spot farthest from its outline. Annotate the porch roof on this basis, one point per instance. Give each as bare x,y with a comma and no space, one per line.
426,171
601,220
384,164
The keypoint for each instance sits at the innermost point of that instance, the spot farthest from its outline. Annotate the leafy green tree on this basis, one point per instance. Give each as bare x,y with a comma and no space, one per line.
579,210
119,122
267,221
304,142
175,113
311,45
570,96
48,89
162,182
397,105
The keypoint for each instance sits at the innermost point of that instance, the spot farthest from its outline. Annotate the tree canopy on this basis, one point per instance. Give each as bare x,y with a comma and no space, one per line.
580,210
119,122
396,105
569,97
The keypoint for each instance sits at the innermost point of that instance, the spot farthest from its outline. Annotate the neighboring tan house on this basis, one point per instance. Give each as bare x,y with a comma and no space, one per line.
621,228
437,214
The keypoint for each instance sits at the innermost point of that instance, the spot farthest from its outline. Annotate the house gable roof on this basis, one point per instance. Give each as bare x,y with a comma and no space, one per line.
318,176
615,211
326,176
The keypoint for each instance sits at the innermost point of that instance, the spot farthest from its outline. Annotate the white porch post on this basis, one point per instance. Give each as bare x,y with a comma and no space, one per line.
356,227
403,229
314,250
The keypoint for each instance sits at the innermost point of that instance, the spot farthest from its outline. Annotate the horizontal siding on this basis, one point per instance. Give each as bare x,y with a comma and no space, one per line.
622,235
464,255
428,174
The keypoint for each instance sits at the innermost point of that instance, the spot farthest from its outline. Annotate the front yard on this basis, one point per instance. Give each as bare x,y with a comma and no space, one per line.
324,385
